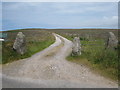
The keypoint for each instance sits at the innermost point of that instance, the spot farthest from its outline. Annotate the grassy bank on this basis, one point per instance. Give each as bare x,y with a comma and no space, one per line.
0,51
36,40
100,60
94,55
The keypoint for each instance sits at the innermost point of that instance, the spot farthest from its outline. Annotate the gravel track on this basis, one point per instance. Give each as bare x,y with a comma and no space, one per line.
50,69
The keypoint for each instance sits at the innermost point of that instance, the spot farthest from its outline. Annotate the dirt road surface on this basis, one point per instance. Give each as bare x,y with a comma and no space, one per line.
50,69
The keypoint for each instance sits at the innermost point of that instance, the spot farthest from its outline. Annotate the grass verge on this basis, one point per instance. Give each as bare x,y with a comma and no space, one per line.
100,60
35,41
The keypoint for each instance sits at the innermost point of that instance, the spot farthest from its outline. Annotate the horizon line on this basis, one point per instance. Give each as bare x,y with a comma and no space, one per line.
55,28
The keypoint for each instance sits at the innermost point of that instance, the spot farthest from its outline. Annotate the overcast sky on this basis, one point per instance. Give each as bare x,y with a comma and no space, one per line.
59,15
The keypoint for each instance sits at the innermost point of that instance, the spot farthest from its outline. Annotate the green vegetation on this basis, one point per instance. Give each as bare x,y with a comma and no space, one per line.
101,60
36,40
89,33
94,55
0,52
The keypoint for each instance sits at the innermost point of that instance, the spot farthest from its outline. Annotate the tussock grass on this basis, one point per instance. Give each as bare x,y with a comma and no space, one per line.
0,51
94,55
36,40
93,33
100,60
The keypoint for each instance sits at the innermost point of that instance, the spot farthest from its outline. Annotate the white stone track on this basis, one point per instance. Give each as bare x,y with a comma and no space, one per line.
50,69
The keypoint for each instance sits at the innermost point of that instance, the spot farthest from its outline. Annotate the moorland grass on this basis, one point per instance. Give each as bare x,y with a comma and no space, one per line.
35,41
0,51
95,56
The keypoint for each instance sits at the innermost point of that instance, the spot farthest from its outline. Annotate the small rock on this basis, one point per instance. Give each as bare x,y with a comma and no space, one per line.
83,77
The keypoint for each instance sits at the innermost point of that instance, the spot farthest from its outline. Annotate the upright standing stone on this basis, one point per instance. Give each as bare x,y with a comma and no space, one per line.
20,43
112,41
76,49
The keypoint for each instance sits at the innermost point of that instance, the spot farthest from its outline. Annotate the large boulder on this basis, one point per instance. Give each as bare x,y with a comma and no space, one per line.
20,43
76,49
112,41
